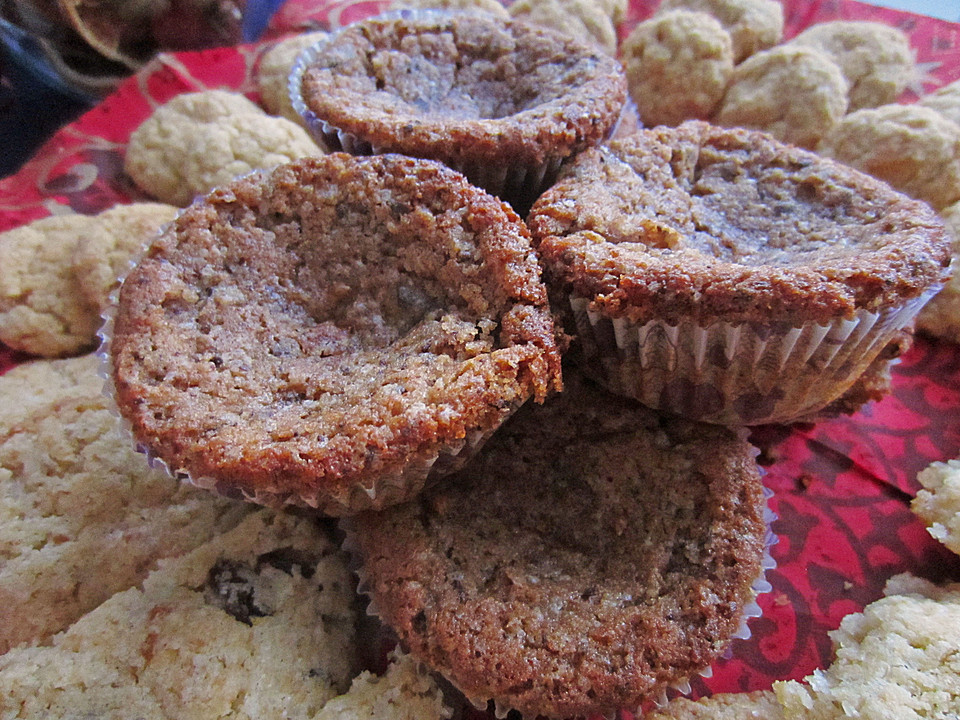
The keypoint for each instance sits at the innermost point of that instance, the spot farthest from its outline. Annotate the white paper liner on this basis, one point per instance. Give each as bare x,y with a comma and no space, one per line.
736,374
517,183
681,687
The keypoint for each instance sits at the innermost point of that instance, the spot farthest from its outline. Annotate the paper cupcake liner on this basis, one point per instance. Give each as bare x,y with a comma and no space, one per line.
517,183
751,610
736,374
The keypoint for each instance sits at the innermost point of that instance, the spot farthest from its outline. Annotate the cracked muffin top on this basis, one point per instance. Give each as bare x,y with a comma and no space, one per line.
328,332
463,87
711,223
591,555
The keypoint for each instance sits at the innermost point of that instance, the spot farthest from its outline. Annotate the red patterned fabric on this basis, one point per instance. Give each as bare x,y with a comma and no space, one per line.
841,488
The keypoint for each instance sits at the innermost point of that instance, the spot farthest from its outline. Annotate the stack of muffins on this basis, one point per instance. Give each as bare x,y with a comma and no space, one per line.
361,334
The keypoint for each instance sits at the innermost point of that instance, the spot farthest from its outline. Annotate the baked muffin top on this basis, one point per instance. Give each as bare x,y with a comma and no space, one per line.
302,333
591,555
463,86
708,223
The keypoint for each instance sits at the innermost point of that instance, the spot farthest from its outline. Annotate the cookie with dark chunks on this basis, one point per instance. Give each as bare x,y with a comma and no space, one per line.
257,619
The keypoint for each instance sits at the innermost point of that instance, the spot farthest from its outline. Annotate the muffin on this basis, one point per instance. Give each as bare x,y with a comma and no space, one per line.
502,101
723,275
332,331
591,556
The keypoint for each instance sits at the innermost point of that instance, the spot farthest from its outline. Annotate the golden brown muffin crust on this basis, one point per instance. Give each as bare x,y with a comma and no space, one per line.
707,223
592,554
464,87
302,333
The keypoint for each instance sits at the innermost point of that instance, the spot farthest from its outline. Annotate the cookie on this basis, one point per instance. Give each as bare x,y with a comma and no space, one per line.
938,503
259,620
273,73
899,658
913,148
876,59
941,316
405,691
945,100
581,19
82,516
753,25
795,93
42,311
104,254
678,65
199,140
592,555
758,705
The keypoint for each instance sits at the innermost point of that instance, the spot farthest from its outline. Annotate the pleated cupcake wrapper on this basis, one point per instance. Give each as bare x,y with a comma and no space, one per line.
750,611
737,374
517,183
381,491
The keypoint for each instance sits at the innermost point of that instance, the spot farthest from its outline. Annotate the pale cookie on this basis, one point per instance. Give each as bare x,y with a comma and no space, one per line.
274,70
941,316
42,311
753,25
103,256
488,6
876,59
913,148
31,386
938,503
257,623
581,19
678,65
199,140
81,514
405,691
759,705
945,100
795,93
899,659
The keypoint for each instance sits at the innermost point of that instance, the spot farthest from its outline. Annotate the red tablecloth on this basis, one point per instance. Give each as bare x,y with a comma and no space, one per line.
841,488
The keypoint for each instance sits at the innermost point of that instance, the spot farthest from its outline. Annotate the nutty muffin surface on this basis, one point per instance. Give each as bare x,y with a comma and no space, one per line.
464,87
591,555
708,223
329,332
